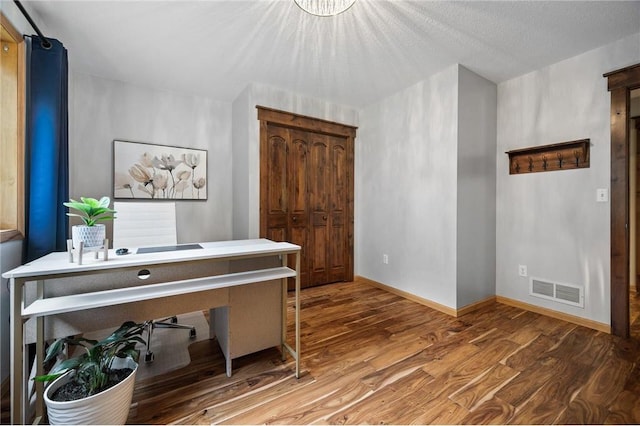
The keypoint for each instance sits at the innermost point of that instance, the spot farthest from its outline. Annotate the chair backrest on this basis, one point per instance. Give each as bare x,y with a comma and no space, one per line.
144,224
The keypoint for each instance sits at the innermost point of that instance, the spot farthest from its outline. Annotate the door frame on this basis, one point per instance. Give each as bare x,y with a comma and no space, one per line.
620,83
291,120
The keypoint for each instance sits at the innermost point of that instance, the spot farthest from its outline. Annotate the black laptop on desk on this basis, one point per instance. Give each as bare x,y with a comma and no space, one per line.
143,250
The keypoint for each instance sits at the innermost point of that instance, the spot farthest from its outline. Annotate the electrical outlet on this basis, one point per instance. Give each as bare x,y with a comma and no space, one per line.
522,270
385,259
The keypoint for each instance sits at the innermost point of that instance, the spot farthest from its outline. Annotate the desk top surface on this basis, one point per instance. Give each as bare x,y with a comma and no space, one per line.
58,263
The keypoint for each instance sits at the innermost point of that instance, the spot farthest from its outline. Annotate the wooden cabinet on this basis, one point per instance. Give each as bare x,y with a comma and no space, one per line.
306,191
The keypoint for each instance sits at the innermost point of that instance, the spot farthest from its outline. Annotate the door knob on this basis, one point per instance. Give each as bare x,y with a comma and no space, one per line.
295,219
324,217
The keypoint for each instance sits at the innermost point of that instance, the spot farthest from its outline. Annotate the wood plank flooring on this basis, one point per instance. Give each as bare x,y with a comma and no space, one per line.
373,357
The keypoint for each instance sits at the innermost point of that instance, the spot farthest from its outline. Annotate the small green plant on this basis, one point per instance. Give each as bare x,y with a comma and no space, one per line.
91,210
93,367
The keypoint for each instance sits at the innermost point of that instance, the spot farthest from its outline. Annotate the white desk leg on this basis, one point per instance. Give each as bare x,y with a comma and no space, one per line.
298,314
17,348
39,359
283,305
227,357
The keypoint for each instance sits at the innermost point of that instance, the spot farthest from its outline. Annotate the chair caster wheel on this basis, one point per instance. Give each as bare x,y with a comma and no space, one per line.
174,320
192,333
148,358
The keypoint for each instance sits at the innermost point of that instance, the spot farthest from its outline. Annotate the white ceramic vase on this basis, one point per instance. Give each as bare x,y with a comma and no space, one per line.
110,407
92,236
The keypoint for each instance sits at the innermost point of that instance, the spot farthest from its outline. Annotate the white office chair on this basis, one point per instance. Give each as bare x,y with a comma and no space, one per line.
148,224
144,224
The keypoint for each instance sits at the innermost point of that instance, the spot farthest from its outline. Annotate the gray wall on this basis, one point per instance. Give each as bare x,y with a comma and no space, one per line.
246,144
102,110
551,221
476,231
425,185
242,114
406,177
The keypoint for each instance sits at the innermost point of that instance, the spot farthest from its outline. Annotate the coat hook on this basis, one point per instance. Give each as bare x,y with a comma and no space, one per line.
560,159
544,162
530,164
576,154
517,167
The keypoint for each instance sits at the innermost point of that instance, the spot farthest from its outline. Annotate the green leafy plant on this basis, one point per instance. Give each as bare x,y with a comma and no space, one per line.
91,210
94,366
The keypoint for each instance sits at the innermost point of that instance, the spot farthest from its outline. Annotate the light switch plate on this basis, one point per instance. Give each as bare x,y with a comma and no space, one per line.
602,195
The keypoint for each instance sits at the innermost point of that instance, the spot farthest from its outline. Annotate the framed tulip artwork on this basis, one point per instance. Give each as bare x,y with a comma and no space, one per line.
158,172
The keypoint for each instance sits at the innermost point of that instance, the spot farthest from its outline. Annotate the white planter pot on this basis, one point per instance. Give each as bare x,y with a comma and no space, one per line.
92,236
110,407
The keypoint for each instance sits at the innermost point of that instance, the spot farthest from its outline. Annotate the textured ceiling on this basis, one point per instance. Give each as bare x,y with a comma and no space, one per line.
374,49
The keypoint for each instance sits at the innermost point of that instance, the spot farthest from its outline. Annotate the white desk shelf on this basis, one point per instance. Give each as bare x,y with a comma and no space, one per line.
98,299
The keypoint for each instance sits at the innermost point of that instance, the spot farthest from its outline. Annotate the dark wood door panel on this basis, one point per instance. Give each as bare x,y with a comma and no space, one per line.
319,174
338,175
300,236
306,185
277,234
319,270
298,190
298,176
320,184
277,177
337,256
337,248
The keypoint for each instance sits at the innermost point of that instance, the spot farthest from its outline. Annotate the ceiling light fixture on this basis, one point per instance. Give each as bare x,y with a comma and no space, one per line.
324,7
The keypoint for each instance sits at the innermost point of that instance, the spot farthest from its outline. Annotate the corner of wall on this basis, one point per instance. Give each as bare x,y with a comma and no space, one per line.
415,131
476,188
240,116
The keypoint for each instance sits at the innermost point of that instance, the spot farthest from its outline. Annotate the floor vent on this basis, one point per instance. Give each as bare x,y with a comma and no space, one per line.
563,293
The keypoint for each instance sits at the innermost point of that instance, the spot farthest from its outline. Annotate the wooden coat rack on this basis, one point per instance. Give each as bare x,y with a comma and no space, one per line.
547,158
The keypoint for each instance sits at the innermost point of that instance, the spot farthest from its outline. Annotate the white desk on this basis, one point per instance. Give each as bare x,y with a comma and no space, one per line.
236,277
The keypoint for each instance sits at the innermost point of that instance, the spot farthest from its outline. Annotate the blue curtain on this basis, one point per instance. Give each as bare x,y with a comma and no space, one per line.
46,148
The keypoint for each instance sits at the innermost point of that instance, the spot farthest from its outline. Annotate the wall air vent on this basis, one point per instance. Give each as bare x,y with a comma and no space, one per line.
541,288
564,293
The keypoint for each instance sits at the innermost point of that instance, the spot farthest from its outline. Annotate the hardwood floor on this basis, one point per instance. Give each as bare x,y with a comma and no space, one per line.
372,357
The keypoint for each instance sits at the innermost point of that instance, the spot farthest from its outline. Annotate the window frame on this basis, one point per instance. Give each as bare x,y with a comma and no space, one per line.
17,230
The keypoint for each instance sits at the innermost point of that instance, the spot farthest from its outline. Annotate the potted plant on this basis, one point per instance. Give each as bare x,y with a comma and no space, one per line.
95,387
91,211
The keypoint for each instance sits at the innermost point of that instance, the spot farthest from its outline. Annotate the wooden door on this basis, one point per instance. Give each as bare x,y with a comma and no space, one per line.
276,199
339,201
320,194
328,200
298,190
306,192
285,204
